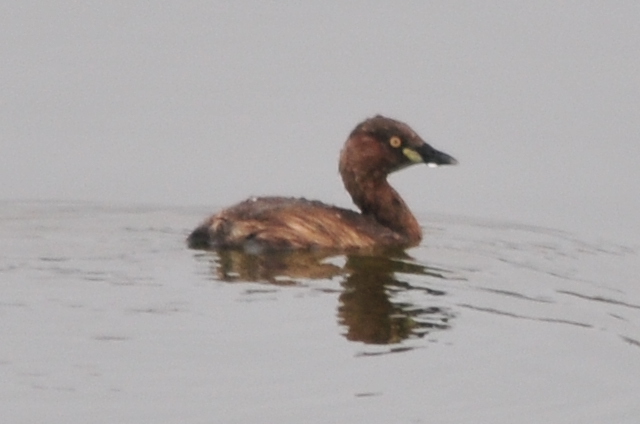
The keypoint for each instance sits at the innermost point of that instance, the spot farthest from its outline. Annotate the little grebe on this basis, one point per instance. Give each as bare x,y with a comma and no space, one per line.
375,148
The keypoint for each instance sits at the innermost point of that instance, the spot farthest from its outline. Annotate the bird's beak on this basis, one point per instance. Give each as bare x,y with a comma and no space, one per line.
433,157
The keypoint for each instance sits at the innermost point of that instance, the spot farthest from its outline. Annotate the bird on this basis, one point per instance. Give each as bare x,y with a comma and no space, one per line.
377,147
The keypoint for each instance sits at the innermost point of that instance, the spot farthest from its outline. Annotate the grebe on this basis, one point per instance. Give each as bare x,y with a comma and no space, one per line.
376,147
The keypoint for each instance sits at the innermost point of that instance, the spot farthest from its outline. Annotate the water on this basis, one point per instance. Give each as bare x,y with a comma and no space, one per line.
107,317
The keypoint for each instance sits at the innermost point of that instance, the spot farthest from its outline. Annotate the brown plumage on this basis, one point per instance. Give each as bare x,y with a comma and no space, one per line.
375,148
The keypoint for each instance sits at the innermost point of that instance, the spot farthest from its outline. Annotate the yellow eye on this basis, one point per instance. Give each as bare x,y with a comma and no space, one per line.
395,141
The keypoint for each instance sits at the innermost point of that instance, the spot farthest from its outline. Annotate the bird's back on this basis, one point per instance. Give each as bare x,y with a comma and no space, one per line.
281,223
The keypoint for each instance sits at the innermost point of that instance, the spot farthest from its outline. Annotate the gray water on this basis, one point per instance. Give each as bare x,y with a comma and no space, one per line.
107,317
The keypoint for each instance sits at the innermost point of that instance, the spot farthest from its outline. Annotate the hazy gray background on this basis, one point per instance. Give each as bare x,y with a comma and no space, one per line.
206,103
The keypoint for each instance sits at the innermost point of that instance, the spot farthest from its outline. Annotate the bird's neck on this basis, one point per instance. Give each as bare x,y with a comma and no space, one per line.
375,197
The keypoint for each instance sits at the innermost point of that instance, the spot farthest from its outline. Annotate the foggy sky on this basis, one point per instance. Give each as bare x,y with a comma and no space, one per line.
206,103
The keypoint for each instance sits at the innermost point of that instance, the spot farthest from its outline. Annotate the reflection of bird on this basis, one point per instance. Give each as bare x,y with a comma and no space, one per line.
368,311
375,148
375,306
278,268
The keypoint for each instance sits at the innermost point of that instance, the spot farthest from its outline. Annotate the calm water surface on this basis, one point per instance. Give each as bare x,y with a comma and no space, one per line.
107,317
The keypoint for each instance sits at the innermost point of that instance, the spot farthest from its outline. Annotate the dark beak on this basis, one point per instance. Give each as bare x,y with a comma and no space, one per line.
433,157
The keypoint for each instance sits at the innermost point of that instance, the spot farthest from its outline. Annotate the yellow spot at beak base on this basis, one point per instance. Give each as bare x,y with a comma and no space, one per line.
412,155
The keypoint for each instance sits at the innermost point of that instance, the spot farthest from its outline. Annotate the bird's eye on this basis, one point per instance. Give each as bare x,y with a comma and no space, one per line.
395,141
